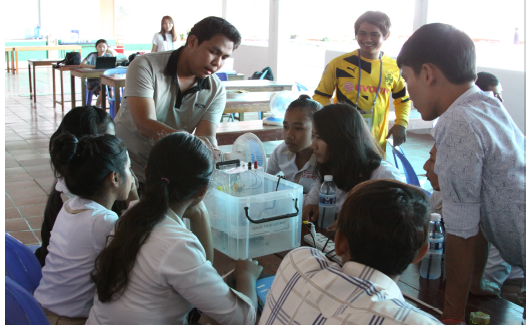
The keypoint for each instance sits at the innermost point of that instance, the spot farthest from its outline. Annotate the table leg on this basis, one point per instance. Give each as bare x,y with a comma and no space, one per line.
118,99
103,93
241,116
83,91
34,86
13,62
53,87
7,61
16,60
73,90
62,91
29,74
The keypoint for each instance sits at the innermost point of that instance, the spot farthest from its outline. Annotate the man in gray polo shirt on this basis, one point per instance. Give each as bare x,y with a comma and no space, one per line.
176,90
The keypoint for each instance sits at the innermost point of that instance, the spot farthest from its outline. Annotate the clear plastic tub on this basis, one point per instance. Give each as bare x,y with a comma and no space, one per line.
259,224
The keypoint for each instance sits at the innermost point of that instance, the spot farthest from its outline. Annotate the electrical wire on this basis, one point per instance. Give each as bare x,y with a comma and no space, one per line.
311,235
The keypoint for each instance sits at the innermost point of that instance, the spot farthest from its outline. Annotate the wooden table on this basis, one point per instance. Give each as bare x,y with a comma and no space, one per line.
83,73
36,63
248,102
11,50
256,85
61,69
227,133
44,48
115,81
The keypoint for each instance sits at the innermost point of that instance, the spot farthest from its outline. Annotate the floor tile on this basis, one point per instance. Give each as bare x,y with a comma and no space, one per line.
12,213
35,222
16,225
26,237
30,201
25,192
21,184
30,211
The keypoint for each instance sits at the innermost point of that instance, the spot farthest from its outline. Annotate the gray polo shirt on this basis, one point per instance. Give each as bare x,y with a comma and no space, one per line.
154,75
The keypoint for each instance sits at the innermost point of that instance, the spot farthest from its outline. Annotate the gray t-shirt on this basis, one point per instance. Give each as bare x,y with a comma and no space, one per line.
153,75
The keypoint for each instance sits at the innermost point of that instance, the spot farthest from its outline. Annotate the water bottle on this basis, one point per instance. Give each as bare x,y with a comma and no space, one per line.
431,264
327,202
37,32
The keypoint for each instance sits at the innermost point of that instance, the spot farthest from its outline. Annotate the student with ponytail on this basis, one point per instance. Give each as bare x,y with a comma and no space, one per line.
96,170
154,270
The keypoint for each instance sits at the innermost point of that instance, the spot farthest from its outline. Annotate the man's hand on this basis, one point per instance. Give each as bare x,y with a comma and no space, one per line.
399,135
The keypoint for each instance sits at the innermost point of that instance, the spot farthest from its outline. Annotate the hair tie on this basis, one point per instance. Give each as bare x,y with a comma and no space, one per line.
166,180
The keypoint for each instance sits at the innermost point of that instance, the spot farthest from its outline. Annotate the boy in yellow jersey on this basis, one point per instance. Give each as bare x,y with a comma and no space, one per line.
371,89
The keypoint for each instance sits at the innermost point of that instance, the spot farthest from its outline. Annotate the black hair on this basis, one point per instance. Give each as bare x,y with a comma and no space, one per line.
307,105
169,179
486,80
101,41
385,223
352,152
85,163
211,26
80,121
381,20
449,49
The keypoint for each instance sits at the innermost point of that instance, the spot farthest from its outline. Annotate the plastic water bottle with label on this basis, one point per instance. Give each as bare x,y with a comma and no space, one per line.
327,202
431,264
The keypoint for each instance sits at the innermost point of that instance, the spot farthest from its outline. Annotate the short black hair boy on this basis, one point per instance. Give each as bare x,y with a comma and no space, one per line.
211,26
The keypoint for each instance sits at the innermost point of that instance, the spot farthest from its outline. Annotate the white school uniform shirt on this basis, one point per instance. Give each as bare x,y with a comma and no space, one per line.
308,289
165,45
171,275
79,235
383,171
284,160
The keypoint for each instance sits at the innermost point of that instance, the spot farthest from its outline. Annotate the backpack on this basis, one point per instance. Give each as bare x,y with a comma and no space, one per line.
131,58
265,74
71,58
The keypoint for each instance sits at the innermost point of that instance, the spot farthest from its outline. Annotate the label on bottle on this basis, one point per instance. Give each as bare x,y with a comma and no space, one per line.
436,245
327,200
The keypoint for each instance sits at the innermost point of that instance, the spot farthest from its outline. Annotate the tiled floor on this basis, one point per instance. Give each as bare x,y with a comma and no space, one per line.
28,127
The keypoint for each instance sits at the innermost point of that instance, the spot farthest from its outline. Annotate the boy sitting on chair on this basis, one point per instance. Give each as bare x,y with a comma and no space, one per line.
382,228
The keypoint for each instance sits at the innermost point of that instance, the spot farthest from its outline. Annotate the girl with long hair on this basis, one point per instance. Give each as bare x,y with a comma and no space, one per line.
166,39
345,149
80,121
96,170
154,270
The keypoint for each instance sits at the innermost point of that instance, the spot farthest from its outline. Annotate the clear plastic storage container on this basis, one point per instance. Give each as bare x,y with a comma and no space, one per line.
266,221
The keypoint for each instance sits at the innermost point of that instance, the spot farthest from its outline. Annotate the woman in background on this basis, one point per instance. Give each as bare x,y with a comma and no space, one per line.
166,39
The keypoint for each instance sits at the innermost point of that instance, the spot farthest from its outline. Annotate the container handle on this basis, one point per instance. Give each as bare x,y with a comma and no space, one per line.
273,218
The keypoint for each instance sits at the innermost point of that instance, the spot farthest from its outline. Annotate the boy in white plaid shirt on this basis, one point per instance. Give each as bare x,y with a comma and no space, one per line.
382,228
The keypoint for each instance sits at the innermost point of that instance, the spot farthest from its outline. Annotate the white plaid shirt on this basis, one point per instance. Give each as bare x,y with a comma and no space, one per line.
308,289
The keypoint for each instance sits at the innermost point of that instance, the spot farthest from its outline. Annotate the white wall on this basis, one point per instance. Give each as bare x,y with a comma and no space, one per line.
59,17
20,18
249,59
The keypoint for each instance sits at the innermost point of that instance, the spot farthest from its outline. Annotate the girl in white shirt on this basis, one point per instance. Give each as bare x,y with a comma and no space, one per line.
294,157
96,170
154,270
345,149
166,39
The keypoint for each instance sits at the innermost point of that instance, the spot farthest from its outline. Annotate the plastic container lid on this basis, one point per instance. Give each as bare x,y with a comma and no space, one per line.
433,216
328,178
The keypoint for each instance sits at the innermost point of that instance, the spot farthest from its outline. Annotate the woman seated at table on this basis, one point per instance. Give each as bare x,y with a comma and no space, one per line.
345,149
93,85
166,39
294,157
154,270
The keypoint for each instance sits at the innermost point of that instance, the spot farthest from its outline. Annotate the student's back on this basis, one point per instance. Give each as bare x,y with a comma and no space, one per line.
309,289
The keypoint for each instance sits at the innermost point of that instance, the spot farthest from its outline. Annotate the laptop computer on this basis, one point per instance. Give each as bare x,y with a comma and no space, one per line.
105,62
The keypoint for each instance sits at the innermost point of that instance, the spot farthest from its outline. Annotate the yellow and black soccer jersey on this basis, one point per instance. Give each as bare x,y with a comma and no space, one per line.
341,77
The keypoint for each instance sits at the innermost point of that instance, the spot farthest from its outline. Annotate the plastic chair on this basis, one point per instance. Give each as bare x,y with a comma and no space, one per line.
112,100
21,307
222,76
301,87
411,177
22,265
89,97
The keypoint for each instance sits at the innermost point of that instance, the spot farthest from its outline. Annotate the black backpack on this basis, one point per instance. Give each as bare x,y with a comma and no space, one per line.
71,58
265,74
131,58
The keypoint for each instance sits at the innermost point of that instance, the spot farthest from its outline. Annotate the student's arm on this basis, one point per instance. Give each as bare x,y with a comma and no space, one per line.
210,120
246,274
154,48
401,103
325,90
112,52
142,111
207,129
201,227
85,65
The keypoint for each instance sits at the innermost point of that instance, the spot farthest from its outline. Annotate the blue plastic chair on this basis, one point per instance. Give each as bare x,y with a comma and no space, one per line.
22,265
112,100
411,177
21,307
222,76
89,97
301,87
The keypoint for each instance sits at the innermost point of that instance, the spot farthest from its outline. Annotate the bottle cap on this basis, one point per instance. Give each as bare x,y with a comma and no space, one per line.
328,178
435,217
